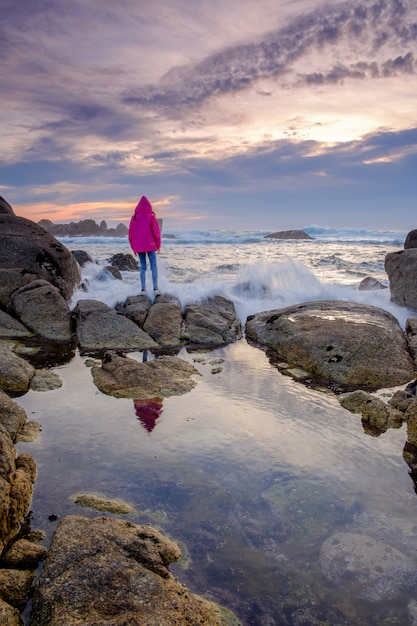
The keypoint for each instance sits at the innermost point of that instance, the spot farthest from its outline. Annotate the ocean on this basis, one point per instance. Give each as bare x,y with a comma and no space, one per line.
255,272
250,472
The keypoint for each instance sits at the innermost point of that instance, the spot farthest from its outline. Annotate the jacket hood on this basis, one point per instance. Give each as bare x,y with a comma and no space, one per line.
143,206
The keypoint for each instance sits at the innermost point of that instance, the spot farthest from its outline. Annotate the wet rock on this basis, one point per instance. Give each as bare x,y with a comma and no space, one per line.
401,268
82,257
41,308
123,377
9,616
124,262
369,283
212,322
15,587
28,252
15,372
11,327
106,505
351,345
5,207
24,555
164,321
374,411
104,568
16,484
12,416
366,568
136,308
45,380
99,327
29,432
113,271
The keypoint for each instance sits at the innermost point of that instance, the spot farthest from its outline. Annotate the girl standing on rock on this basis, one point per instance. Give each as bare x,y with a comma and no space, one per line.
145,239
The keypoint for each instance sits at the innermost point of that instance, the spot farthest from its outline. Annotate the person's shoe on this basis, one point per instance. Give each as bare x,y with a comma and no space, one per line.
156,290
143,290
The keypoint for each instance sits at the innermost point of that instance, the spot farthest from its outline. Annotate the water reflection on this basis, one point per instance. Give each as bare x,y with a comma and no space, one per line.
148,411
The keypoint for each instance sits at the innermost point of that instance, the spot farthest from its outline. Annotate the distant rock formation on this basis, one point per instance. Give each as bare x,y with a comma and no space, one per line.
84,228
288,234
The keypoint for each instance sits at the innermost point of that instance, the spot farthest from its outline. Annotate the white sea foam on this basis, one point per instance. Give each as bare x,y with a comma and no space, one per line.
255,273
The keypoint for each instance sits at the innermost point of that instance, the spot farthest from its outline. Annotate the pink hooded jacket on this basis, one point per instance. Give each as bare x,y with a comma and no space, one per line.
144,233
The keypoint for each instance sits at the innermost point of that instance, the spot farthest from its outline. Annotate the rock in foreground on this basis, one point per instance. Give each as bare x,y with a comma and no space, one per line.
350,345
111,571
123,377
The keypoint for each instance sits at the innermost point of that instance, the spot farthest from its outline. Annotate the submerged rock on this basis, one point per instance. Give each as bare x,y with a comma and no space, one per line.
106,505
104,569
123,377
350,345
366,568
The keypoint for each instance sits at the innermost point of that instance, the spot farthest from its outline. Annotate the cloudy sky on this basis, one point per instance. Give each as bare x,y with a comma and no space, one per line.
266,114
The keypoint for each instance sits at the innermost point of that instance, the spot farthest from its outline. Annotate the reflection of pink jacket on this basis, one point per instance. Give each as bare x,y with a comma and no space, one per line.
144,233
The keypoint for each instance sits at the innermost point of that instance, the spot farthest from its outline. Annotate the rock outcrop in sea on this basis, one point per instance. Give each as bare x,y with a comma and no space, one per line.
289,234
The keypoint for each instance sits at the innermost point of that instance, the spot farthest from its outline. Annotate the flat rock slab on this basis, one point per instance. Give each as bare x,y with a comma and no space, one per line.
346,344
111,571
123,377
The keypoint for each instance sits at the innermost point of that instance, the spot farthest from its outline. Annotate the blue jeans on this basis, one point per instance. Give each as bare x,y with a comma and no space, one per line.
154,268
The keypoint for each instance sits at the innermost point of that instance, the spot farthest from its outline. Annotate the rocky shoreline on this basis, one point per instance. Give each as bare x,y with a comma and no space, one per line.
347,349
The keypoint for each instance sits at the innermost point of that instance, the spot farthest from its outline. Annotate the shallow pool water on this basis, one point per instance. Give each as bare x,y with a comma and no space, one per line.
250,472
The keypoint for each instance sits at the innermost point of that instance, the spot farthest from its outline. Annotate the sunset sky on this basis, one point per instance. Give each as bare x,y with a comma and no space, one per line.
227,114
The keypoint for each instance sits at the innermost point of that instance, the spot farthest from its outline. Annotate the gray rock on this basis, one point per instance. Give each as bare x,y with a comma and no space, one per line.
289,234
212,322
41,307
11,327
27,251
164,321
15,372
369,283
374,411
99,327
401,268
123,377
136,308
352,345
411,240
124,262
112,271
106,568
366,568
81,256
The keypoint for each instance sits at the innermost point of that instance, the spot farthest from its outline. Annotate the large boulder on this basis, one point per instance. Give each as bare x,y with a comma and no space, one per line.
11,327
123,377
99,327
28,252
212,322
111,571
401,268
344,344
41,308
164,321
136,308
